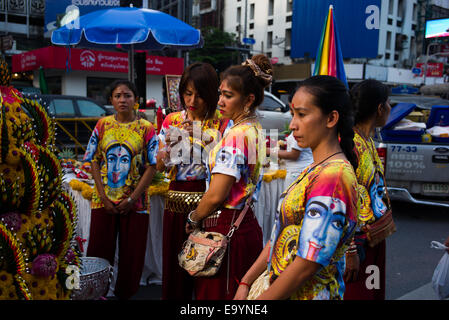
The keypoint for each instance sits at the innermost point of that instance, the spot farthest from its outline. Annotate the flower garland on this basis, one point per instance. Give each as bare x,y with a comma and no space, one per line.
278,174
36,221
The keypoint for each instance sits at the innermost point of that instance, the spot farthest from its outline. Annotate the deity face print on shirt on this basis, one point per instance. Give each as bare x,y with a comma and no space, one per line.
376,193
119,162
153,145
91,147
322,227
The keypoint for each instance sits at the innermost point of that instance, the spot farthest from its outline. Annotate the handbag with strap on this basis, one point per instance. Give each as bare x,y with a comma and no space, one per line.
202,253
382,228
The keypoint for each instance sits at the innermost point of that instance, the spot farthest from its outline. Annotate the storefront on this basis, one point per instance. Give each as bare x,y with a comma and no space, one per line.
85,72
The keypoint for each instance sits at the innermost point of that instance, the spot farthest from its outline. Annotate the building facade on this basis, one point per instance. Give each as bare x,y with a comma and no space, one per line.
401,38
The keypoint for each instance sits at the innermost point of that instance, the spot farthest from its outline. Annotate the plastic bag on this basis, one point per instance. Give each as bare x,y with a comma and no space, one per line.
440,278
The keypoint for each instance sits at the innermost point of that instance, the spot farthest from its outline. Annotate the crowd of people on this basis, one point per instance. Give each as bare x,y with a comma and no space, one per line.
213,152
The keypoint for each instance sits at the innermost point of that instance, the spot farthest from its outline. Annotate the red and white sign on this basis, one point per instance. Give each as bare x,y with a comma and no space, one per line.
91,60
434,69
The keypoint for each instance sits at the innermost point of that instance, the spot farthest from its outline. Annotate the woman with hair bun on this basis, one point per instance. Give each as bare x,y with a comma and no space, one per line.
234,174
317,216
372,108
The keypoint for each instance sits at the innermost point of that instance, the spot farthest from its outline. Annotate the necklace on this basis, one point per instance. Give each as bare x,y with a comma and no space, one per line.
246,118
308,171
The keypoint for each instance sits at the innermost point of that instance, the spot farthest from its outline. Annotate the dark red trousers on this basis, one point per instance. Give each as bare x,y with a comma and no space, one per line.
177,284
132,230
358,290
245,246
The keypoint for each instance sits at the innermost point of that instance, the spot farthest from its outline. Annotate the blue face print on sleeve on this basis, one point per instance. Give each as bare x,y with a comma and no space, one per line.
322,228
91,147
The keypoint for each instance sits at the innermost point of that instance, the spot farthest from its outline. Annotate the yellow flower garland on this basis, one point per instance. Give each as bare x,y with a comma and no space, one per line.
278,174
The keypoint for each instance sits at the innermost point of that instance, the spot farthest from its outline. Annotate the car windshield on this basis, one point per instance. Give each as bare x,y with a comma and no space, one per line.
269,104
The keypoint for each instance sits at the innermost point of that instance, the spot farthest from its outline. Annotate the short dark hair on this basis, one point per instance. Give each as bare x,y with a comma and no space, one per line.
205,80
131,86
366,97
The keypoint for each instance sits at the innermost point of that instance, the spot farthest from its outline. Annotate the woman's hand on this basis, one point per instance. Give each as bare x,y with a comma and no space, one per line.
446,243
109,206
352,268
188,126
242,292
189,229
125,206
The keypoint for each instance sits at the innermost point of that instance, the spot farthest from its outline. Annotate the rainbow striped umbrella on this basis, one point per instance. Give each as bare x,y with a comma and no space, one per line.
329,60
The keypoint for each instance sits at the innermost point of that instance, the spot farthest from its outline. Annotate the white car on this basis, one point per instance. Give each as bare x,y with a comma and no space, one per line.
273,113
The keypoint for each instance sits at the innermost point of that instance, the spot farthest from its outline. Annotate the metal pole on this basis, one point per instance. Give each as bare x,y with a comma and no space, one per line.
131,64
246,19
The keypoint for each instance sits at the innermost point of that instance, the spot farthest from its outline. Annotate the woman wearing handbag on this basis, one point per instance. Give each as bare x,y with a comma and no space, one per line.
198,91
372,108
317,215
235,172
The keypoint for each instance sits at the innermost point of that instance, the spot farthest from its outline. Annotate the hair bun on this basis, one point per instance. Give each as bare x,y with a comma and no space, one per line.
262,68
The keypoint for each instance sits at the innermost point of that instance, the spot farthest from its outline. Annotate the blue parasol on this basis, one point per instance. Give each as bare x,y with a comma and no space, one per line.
132,28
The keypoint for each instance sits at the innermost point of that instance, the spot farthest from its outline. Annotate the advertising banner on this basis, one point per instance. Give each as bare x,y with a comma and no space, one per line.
434,69
358,23
91,60
55,10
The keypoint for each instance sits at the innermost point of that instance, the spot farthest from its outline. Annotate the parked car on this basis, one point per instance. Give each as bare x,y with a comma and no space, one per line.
416,170
273,113
75,117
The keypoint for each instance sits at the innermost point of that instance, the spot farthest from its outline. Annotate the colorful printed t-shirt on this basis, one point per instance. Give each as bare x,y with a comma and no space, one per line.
239,154
192,166
370,176
123,151
316,221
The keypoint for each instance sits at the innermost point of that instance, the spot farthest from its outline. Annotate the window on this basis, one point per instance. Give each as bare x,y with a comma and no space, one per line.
388,43
288,18
90,109
269,40
98,89
289,5
288,38
390,6
287,53
269,104
251,11
270,7
251,26
270,22
415,12
239,15
54,85
62,108
387,56
401,9
390,21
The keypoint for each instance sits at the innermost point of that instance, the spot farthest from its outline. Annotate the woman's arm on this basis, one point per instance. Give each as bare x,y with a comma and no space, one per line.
219,189
108,204
253,273
294,276
125,206
287,155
